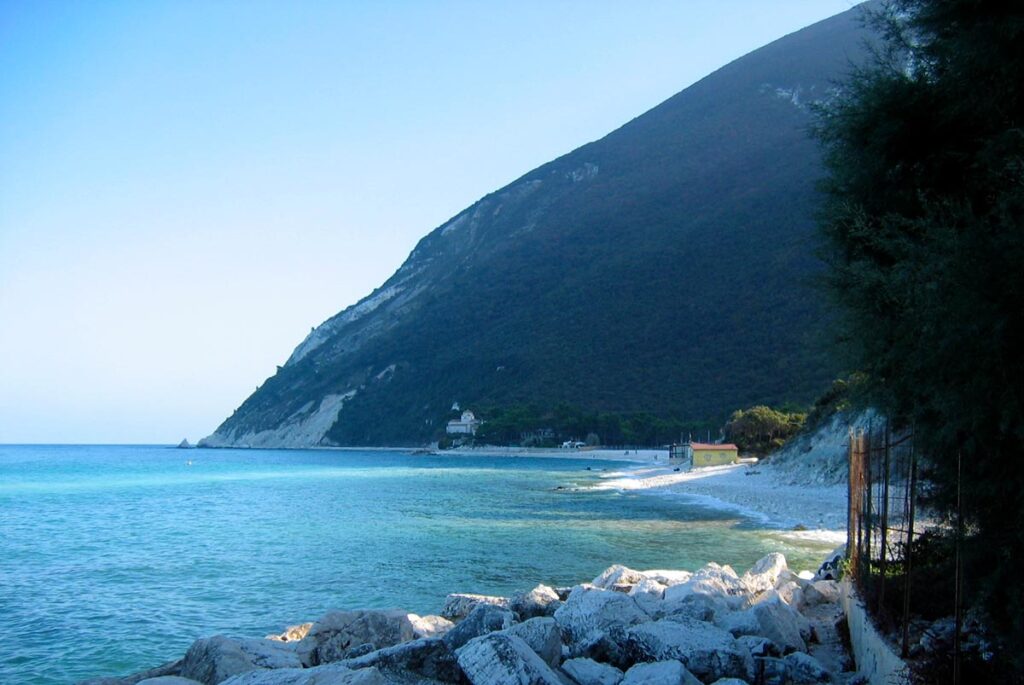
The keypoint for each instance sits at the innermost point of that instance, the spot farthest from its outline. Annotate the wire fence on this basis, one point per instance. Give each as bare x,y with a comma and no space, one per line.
882,524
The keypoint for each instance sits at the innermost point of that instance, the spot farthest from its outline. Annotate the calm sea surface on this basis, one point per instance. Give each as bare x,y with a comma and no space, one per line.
114,559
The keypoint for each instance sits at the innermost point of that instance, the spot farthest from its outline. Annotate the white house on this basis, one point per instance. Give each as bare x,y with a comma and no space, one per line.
466,425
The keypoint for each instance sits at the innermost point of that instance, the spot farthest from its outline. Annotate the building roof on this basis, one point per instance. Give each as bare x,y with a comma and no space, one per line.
709,446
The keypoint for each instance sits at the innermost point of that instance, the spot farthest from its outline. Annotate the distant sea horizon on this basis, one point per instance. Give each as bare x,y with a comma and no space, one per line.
116,557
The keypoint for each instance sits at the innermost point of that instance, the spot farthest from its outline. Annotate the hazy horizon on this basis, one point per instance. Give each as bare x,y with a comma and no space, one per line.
187,189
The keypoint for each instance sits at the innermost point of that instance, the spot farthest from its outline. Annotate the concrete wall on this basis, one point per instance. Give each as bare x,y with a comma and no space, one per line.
874,657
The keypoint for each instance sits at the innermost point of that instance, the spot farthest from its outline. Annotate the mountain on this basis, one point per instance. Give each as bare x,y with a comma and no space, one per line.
665,269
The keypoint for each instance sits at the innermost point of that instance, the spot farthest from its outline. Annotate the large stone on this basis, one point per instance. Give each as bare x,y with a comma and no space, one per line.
485,618
668,578
457,606
212,660
540,601
498,658
821,592
617,575
329,674
168,680
781,624
695,606
648,594
428,658
730,681
804,669
712,580
593,622
543,636
707,651
659,673
338,632
430,626
589,672
763,575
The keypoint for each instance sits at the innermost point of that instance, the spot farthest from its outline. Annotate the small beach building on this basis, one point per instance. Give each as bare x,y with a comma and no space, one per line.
697,454
464,425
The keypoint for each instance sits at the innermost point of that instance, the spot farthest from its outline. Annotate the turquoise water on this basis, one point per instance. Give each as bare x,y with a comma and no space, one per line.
114,559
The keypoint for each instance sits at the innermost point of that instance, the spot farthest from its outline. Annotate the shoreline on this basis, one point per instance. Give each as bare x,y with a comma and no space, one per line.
799,511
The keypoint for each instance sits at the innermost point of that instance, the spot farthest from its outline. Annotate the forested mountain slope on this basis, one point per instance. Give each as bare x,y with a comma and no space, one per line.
666,268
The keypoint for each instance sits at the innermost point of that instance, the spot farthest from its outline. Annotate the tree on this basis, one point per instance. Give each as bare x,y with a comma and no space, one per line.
762,429
924,236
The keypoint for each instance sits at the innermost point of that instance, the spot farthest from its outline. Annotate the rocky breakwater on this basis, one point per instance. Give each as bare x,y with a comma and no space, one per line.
625,627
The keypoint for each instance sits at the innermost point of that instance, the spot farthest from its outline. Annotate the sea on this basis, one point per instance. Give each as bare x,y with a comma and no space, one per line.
114,559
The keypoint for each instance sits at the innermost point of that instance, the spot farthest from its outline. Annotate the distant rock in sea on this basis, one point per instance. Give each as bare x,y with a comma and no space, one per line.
185,445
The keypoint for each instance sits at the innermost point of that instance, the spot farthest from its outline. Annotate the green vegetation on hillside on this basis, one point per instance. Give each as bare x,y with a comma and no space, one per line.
760,429
925,242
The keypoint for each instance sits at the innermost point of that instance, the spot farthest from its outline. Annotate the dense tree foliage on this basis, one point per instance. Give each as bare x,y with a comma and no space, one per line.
531,425
761,429
925,238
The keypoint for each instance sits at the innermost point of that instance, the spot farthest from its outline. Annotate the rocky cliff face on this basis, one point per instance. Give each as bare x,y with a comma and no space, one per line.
665,268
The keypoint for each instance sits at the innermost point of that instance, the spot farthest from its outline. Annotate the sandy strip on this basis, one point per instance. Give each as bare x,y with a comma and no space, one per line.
808,512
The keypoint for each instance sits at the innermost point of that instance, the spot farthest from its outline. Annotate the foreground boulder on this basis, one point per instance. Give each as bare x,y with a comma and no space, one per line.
428,658
543,637
499,658
617,575
714,581
540,601
331,674
458,606
485,618
593,622
764,575
168,680
707,651
338,633
430,626
659,673
212,660
589,672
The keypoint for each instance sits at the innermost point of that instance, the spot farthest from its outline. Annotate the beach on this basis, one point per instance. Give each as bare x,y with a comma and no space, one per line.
760,491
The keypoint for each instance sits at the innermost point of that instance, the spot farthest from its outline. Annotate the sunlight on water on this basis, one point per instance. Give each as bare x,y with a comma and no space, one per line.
115,559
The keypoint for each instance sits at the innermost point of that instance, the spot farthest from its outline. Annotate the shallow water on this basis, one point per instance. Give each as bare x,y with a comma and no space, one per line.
114,559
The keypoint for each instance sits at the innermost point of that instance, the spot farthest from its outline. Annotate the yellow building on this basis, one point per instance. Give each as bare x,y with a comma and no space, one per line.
703,454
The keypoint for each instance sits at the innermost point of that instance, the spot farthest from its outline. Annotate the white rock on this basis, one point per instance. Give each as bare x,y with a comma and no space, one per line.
763,574
617,575
496,658
429,626
821,592
211,660
540,601
543,637
668,578
457,606
659,673
806,575
338,632
649,594
427,658
712,580
330,674
804,669
485,618
791,593
781,624
590,672
707,651
593,620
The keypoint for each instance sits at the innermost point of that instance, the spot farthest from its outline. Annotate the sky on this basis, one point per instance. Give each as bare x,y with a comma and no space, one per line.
188,187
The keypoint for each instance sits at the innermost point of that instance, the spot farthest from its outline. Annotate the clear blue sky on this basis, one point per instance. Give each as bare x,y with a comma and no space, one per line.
187,187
